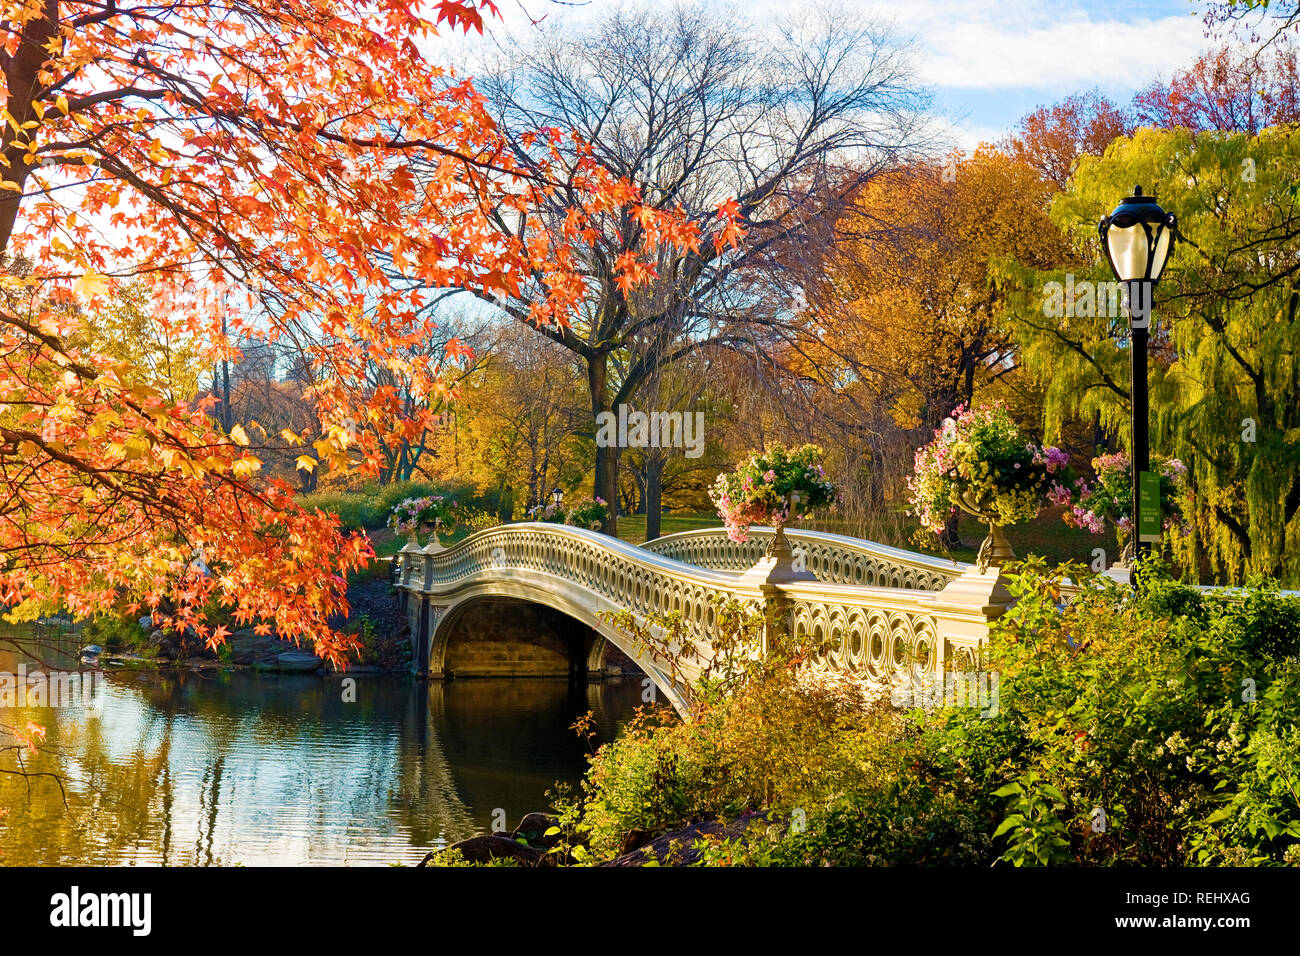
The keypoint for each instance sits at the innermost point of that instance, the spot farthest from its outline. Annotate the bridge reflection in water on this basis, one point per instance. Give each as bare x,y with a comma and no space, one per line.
190,768
533,598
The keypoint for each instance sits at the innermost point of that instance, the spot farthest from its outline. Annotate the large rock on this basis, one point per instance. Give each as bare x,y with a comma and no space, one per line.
532,830
483,849
298,662
249,647
168,647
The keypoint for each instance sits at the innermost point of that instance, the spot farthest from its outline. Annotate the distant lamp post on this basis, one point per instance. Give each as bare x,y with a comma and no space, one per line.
558,495
1138,238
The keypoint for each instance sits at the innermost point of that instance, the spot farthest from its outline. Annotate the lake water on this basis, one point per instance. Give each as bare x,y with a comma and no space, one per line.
190,768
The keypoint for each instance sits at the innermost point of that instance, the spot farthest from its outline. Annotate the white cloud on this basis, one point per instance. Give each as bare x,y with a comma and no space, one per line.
1074,53
986,54
986,44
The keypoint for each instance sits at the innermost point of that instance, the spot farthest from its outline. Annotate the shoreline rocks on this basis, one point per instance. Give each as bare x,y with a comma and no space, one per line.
247,651
529,845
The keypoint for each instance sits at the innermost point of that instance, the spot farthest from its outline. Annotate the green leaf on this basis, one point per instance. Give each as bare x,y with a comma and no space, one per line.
1052,792
1010,823
1219,815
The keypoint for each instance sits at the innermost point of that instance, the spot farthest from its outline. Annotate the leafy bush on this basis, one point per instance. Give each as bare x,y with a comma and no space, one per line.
379,647
758,737
114,631
1145,731
881,826
1160,728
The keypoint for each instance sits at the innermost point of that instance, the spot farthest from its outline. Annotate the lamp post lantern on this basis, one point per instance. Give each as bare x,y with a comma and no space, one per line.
557,495
1137,238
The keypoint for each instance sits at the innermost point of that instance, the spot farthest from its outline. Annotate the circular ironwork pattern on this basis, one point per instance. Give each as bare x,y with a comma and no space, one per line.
881,644
831,563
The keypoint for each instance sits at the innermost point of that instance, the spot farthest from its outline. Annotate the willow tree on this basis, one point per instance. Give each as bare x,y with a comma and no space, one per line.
1225,374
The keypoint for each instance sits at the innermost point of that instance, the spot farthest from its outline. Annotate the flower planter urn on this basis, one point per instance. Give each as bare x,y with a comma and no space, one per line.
995,550
434,545
777,566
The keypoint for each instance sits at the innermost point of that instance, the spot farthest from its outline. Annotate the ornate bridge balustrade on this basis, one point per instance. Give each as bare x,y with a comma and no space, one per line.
870,626
832,558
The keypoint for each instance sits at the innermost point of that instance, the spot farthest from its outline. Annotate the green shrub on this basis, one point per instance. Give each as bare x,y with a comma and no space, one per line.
758,737
1156,729
114,632
379,647
880,826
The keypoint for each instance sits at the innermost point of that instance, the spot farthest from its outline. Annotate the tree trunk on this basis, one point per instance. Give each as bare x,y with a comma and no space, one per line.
22,81
606,483
654,474
948,537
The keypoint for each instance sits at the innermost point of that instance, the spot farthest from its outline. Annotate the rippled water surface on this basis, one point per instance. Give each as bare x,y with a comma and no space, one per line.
246,768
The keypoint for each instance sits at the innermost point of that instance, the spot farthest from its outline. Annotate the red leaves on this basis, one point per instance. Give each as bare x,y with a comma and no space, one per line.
732,230
465,15
323,155
631,271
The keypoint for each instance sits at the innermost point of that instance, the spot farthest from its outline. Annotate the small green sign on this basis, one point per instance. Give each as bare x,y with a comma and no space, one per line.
1149,516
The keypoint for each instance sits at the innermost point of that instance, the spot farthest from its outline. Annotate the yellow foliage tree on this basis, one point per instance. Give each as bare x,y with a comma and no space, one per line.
908,313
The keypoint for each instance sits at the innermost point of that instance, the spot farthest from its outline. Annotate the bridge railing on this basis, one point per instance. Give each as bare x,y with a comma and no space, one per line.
832,558
885,613
604,573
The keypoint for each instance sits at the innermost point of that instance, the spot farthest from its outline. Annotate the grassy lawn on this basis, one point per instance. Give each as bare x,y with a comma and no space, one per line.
631,528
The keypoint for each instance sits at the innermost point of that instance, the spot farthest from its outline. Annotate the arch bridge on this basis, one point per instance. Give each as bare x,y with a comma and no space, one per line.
534,598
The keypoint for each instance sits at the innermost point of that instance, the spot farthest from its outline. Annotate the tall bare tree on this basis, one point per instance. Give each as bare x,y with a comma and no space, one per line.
696,108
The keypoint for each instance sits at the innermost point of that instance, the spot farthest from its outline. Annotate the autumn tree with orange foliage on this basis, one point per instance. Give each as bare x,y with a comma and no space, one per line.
1052,138
251,161
911,320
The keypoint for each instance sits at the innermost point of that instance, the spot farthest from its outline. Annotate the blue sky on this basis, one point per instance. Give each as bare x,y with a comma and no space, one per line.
991,61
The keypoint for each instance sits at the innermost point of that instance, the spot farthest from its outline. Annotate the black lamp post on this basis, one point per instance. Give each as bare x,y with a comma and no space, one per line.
1137,238
558,495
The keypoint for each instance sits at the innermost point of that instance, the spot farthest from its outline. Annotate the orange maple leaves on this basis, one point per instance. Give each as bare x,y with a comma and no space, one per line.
277,171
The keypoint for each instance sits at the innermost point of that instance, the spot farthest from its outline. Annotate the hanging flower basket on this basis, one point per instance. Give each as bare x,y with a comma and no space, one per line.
772,488
550,513
590,513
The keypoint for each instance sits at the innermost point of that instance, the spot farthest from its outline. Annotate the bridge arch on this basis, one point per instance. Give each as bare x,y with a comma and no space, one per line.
589,648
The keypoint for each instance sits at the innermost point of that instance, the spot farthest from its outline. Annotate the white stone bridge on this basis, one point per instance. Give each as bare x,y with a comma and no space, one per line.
527,599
